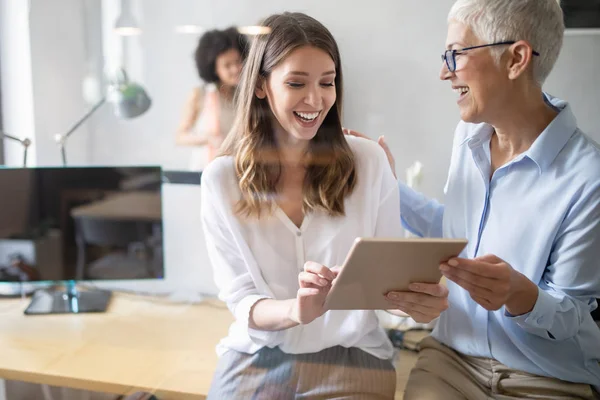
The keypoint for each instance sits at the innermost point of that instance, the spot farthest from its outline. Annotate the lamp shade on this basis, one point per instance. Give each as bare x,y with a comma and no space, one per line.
126,25
129,99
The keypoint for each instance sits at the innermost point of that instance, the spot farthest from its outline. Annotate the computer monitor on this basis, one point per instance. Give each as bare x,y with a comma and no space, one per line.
71,225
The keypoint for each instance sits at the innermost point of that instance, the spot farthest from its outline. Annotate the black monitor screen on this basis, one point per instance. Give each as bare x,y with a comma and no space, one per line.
90,223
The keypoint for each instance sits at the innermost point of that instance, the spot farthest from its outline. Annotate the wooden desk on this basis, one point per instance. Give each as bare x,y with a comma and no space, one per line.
140,344
145,206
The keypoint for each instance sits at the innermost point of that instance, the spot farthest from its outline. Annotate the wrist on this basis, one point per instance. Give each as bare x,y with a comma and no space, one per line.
292,311
523,298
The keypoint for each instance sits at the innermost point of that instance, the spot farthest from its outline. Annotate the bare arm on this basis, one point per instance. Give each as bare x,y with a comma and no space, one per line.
192,109
272,315
276,315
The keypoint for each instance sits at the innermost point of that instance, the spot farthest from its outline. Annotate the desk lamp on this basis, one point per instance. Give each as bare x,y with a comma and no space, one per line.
24,142
129,100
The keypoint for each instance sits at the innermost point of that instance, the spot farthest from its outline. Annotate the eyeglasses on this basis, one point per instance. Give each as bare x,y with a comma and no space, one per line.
449,56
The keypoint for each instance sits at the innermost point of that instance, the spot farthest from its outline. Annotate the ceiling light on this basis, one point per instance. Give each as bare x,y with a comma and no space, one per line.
254,30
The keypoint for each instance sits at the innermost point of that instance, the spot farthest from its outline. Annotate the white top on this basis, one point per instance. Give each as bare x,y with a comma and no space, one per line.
199,158
254,259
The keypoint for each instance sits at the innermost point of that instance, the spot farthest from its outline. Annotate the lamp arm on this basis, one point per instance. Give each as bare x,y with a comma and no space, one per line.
84,118
7,136
62,140
24,142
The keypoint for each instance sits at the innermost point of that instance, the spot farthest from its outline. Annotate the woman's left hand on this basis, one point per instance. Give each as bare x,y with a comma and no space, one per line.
424,303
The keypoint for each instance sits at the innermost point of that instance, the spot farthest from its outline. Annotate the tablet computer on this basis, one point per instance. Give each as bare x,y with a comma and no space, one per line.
376,266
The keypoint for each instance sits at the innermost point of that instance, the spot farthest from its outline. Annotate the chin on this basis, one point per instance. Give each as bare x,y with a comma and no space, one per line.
466,117
304,135
470,117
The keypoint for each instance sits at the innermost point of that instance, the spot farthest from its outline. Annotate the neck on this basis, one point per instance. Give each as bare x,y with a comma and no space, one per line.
521,122
292,151
226,91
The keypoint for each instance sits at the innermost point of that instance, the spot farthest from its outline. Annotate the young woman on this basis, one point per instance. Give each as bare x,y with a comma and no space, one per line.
282,205
209,111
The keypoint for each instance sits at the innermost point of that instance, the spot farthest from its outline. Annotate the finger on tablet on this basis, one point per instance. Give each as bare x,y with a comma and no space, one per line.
319,269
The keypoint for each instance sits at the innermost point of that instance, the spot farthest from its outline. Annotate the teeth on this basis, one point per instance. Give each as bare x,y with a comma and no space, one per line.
461,90
307,116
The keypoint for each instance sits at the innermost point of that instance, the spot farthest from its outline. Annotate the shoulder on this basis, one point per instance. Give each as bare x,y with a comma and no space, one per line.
219,174
581,156
375,176
366,151
199,92
209,88
575,172
195,96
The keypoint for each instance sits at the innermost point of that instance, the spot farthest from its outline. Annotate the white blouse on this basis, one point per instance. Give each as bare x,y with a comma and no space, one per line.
200,154
254,259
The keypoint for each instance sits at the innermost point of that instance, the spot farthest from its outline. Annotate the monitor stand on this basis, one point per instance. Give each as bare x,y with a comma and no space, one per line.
68,301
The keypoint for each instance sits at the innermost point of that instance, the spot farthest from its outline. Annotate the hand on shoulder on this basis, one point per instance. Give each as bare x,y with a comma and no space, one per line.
382,143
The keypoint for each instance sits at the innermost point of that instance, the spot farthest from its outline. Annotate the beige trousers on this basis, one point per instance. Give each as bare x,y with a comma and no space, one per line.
443,374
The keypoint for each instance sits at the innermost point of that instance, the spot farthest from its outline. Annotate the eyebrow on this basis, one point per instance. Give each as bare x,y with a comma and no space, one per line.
306,73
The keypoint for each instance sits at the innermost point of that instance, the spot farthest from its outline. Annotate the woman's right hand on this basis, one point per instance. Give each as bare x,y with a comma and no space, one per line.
315,282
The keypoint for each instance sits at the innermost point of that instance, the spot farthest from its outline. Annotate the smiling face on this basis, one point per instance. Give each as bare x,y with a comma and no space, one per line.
300,91
228,67
479,81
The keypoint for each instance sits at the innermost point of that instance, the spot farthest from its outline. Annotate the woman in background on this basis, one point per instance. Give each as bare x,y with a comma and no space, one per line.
209,111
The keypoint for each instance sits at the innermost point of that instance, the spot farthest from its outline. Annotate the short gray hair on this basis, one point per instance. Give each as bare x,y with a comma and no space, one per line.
539,22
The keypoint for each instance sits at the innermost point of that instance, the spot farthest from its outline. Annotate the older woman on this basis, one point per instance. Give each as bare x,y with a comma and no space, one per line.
524,188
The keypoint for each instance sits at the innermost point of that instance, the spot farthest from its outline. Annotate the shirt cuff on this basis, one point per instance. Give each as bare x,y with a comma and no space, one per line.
242,315
406,193
542,315
408,198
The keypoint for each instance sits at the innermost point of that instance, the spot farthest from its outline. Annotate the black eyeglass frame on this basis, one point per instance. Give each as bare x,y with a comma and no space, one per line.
449,56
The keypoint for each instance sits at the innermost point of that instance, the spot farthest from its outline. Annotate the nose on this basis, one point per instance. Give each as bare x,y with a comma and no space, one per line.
313,98
445,73
238,67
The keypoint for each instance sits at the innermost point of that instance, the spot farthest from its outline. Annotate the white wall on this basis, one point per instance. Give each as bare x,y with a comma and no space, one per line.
17,91
44,49
576,78
391,57
58,62
390,51
388,76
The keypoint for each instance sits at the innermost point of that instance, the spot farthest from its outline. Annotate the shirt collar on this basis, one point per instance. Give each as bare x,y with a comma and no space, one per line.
556,135
550,142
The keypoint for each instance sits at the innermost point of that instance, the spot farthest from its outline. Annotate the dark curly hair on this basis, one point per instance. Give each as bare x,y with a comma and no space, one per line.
211,45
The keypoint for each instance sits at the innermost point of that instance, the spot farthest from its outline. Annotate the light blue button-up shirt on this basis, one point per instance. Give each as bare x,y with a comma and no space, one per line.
541,214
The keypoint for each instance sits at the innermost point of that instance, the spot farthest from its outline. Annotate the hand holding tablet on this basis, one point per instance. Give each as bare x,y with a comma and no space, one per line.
375,267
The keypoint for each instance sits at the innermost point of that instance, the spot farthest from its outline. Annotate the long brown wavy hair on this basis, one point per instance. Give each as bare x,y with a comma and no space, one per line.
330,166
